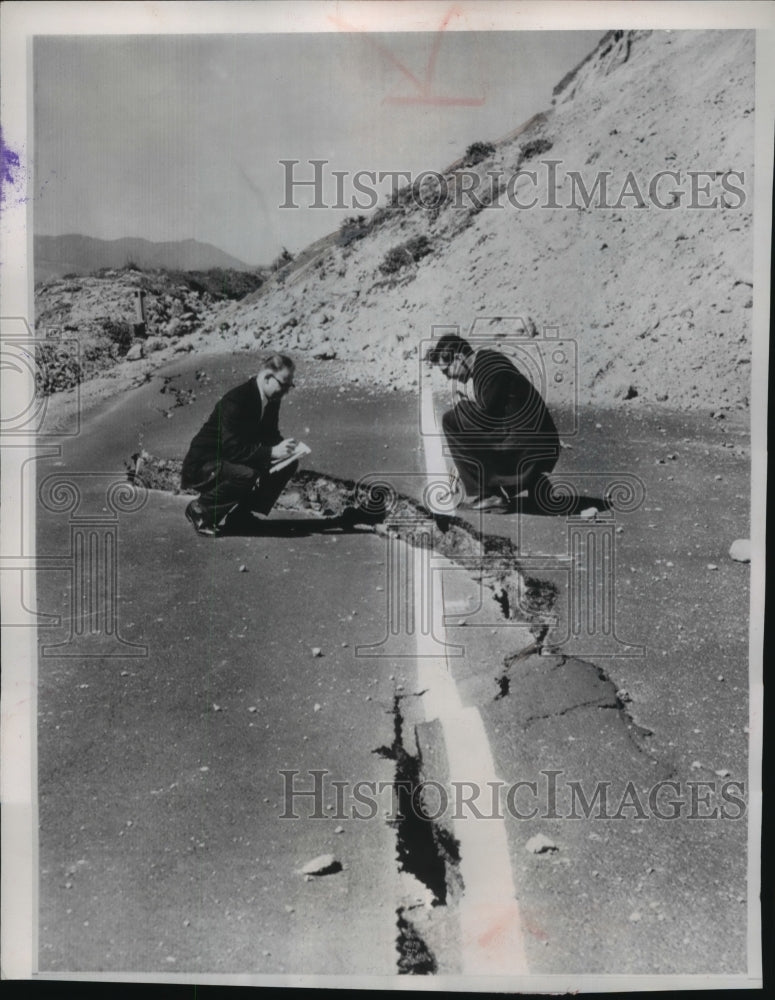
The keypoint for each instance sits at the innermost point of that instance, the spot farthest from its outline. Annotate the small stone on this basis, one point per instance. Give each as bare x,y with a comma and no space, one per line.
317,651
252,708
216,708
316,707
243,568
339,829
722,773
634,917
696,765
323,864
712,566
740,550
589,512
540,844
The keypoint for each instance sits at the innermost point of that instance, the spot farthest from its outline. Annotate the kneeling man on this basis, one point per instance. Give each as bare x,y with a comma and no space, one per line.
499,432
229,461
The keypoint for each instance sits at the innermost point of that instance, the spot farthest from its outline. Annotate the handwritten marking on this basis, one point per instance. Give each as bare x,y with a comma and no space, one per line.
9,162
424,87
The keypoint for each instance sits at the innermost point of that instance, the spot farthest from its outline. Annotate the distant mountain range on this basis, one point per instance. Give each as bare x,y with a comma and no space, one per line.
56,256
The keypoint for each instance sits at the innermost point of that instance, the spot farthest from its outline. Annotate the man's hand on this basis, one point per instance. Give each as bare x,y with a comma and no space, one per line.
284,449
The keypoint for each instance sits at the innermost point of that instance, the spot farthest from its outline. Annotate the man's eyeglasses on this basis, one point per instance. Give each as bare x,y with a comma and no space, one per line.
284,386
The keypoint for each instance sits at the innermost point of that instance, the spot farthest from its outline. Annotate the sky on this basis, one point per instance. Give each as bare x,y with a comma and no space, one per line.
173,137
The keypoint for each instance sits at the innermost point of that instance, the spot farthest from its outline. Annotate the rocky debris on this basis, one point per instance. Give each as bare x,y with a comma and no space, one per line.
317,651
541,844
135,352
740,550
323,864
325,352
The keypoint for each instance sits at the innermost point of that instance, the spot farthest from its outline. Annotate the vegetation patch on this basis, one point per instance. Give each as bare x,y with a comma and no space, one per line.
477,152
405,254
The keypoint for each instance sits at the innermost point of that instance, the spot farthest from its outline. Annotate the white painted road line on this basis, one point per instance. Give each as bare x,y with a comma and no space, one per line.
492,942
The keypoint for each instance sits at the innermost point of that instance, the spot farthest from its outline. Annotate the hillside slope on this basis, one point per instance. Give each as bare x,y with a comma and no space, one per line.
657,298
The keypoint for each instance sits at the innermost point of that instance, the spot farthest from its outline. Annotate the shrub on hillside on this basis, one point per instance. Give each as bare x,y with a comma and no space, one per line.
353,228
118,332
404,254
284,258
477,152
220,282
535,148
56,368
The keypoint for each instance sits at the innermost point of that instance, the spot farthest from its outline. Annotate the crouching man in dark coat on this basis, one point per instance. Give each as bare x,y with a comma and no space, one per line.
229,460
499,432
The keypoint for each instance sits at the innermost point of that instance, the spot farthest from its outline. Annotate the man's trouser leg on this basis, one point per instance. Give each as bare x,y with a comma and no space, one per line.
269,488
522,470
466,453
222,487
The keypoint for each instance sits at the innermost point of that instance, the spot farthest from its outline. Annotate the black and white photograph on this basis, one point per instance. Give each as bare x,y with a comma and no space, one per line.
383,471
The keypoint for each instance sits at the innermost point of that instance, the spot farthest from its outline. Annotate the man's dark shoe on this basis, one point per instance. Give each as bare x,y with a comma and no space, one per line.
196,516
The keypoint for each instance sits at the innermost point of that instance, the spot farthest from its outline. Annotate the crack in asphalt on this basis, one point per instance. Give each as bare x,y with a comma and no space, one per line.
491,560
594,703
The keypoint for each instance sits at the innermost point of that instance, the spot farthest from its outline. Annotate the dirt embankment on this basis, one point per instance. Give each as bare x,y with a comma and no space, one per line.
620,217
650,274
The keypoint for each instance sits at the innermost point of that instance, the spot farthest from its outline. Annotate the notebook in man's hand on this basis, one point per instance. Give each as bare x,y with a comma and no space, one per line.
298,451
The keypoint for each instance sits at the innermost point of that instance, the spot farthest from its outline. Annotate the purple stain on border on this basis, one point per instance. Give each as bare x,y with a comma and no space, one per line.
9,162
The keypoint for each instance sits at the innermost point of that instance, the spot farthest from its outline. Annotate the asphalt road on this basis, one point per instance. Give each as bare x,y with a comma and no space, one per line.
163,847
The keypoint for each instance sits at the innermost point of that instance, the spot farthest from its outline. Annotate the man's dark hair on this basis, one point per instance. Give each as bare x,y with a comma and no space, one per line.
277,363
448,346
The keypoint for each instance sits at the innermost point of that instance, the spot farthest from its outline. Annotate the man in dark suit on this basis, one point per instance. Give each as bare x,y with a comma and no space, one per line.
499,432
229,460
